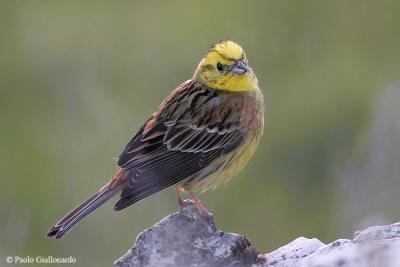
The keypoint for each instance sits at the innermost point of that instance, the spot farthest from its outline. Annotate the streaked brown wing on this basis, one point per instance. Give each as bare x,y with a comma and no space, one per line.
192,127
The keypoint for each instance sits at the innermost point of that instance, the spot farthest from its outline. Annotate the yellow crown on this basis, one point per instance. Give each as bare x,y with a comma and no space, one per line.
229,49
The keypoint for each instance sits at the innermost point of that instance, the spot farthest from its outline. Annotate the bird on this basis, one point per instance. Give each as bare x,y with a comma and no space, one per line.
203,133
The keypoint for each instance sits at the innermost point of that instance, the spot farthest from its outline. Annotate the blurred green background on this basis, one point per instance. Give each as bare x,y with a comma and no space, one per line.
77,79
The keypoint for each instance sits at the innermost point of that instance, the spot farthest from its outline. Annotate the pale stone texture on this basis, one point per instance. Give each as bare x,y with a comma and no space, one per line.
187,239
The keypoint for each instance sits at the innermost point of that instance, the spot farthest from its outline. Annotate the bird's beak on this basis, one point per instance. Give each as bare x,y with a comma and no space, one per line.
239,67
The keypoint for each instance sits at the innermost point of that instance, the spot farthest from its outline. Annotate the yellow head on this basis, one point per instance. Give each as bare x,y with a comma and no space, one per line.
225,67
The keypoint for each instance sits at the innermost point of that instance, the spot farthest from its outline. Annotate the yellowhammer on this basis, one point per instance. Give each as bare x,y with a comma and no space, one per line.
203,133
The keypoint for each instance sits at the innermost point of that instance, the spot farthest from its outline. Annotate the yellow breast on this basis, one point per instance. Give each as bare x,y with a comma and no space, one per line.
228,166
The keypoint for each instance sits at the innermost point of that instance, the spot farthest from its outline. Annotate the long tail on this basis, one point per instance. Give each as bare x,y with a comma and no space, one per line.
64,225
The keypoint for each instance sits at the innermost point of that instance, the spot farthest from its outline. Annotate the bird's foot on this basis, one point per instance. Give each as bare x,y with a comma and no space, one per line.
203,211
182,203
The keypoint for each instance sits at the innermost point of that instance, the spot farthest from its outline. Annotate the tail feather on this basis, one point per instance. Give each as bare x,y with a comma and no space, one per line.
64,225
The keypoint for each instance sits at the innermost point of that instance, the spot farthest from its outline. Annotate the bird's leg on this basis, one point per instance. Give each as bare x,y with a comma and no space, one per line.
181,202
199,205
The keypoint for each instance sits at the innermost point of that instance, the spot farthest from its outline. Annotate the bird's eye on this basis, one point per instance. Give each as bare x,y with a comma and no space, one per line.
220,67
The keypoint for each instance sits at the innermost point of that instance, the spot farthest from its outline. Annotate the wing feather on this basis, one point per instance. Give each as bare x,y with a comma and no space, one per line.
192,128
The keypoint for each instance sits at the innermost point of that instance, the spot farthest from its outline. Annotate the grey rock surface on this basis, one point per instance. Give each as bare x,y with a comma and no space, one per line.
293,253
186,238
377,246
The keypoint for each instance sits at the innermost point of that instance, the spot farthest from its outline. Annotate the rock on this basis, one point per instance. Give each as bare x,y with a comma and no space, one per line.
293,253
187,238
373,247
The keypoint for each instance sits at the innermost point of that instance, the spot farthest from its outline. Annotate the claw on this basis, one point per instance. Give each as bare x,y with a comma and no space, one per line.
203,211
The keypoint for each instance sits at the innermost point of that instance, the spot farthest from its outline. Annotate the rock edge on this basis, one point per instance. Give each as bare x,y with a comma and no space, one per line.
187,238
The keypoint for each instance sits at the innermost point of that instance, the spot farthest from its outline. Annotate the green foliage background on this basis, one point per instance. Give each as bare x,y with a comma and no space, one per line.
77,79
